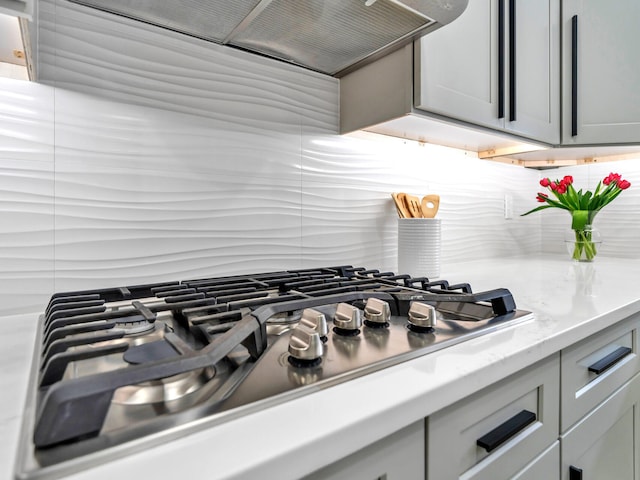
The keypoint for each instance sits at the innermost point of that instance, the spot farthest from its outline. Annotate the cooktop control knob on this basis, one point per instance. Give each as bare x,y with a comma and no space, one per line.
316,321
422,317
376,313
347,320
305,347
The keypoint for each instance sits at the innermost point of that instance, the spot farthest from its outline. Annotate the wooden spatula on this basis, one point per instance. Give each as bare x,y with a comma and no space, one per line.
400,207
429,205
413,205
398,199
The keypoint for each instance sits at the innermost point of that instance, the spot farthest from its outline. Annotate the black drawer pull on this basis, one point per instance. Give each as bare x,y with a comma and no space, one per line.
610,360
508,429
575,473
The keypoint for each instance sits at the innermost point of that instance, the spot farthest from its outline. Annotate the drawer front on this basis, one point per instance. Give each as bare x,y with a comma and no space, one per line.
594,368
496,432
544,467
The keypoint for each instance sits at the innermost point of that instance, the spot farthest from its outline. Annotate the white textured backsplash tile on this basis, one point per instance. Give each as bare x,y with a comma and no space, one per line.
26,195
117,225
146,155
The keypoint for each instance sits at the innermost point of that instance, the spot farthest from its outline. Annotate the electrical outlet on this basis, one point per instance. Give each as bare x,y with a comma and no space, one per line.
508,206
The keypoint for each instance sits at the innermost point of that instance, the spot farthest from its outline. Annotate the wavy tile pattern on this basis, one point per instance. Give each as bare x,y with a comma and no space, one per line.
26,196
144,155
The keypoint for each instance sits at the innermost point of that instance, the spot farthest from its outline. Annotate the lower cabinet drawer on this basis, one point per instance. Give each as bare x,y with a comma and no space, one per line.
545,467
495,433
594,368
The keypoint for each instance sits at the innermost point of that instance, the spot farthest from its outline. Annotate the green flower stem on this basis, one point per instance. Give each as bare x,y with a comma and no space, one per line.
584,248
581,218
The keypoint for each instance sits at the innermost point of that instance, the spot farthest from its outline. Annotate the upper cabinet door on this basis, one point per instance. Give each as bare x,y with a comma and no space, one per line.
497,66
533,69
601,72
457,68
17,8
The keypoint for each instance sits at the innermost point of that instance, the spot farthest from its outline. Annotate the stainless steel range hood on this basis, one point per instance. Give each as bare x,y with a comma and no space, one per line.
329,36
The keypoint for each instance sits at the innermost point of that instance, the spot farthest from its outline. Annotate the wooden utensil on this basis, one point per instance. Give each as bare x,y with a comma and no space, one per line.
400,205
429,205
413,205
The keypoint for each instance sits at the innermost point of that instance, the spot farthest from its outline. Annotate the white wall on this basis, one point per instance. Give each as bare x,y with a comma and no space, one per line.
143,155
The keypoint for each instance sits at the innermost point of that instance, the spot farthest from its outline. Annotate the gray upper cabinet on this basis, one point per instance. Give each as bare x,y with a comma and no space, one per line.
497,66
508,73
601,72
17,8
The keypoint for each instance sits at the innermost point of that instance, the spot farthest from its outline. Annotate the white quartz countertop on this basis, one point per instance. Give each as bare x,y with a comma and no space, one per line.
570,301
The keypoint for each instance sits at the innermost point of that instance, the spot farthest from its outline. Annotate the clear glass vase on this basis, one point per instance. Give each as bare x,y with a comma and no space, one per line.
583,244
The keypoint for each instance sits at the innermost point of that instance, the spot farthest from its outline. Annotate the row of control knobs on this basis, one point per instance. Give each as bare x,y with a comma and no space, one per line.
306,342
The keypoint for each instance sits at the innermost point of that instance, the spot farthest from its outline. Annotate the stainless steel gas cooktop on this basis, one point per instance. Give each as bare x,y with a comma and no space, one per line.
120,369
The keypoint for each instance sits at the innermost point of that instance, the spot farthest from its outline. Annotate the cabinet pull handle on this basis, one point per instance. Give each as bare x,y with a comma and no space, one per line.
504,432
575,473
500,58
610,360
512,60
574,75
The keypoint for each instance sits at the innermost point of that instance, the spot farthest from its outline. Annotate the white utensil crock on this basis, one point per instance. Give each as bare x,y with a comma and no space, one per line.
419,247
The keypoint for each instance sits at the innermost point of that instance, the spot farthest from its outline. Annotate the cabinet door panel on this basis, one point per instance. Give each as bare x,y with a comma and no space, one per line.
456,67
607,457
608,71
603,444
537,70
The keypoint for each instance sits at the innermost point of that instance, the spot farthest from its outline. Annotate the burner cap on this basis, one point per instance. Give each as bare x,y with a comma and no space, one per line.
149,352
134,325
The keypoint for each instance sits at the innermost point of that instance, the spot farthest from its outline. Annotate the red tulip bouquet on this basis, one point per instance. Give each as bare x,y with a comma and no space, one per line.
583,207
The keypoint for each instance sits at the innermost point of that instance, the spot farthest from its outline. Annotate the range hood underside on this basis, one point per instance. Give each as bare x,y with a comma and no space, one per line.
329,36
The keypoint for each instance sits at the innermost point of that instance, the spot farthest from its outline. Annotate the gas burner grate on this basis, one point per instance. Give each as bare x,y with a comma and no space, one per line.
117,364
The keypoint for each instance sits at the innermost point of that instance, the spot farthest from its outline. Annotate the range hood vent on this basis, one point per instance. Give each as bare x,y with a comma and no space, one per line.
330,36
